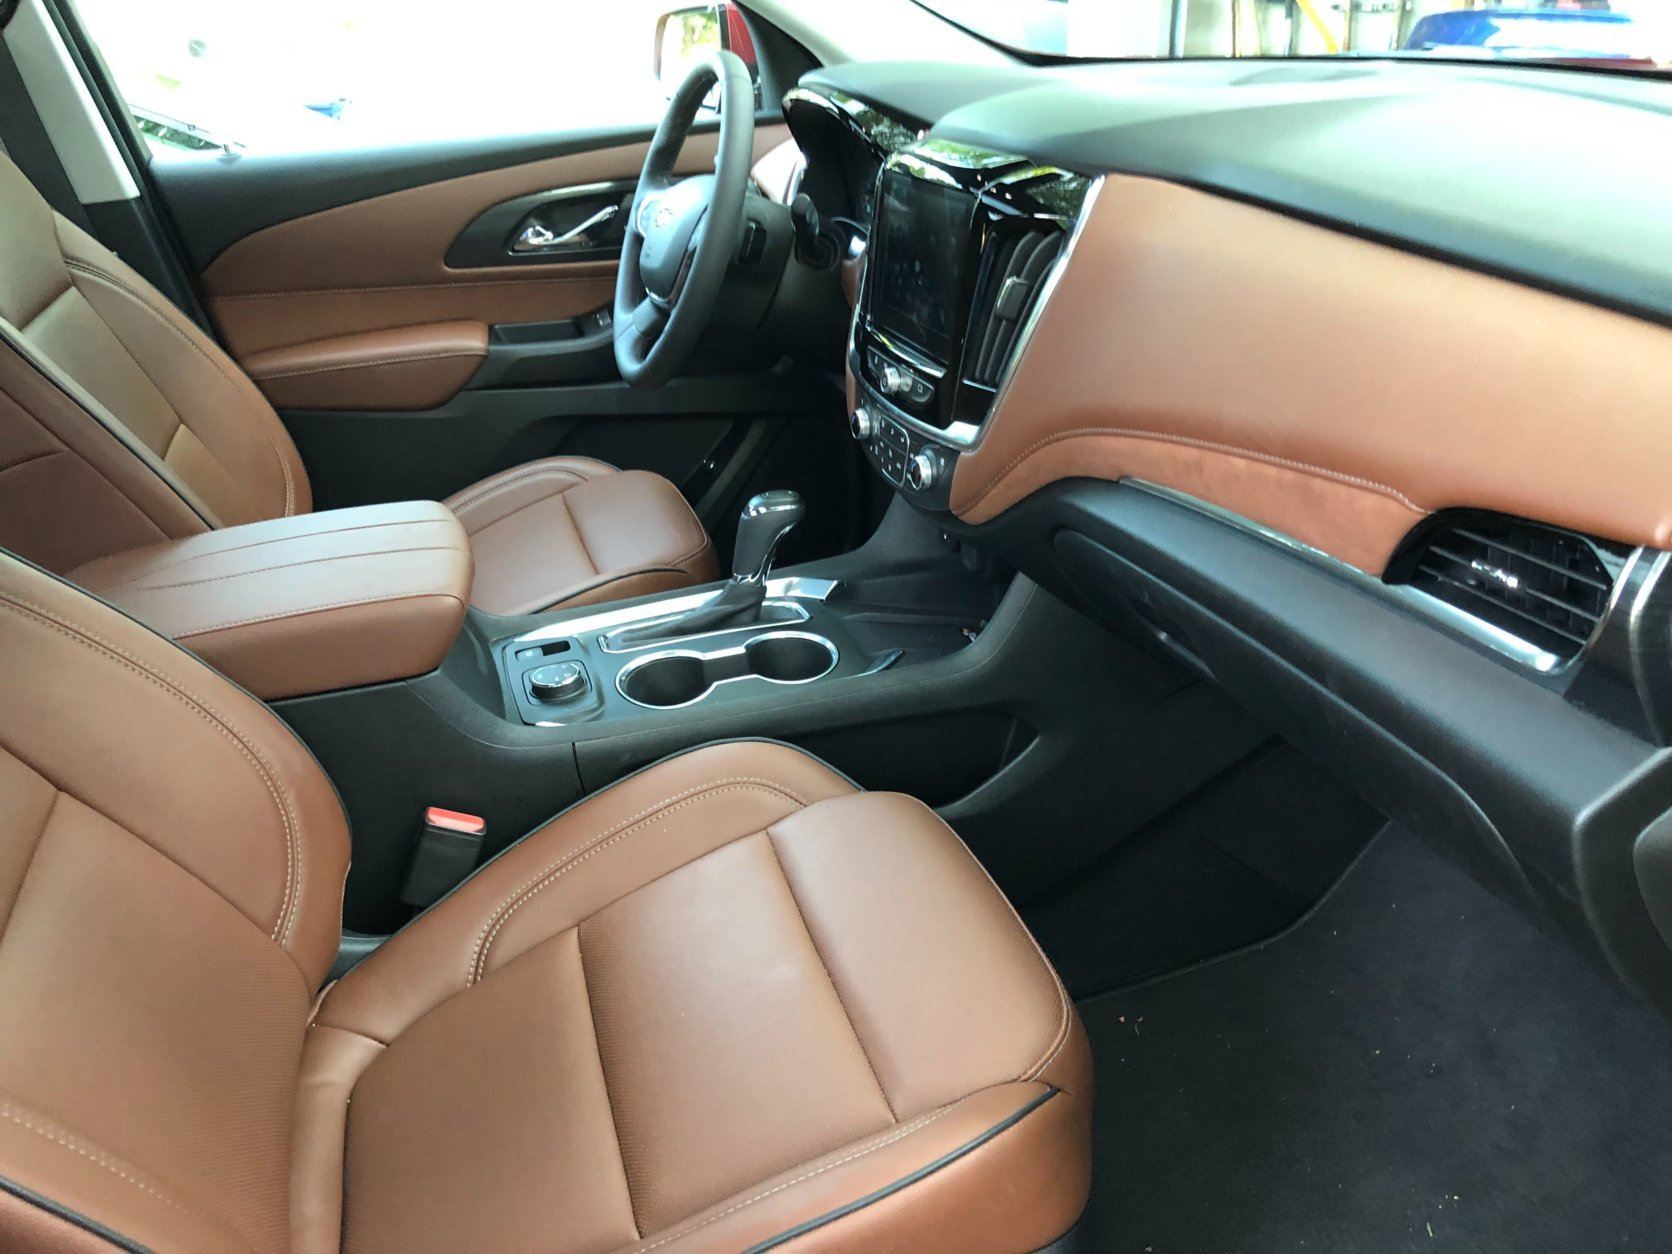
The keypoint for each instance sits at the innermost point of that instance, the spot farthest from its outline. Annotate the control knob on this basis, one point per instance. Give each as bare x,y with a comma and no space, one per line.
895,381
561,682
922,471
863,424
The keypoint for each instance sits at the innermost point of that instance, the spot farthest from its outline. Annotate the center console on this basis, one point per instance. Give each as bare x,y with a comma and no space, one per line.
295,606
964,246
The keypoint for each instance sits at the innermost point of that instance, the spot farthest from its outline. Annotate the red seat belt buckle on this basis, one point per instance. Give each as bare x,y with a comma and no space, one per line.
448,848
455,821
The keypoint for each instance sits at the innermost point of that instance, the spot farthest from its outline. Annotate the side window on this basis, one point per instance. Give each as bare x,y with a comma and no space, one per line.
313,75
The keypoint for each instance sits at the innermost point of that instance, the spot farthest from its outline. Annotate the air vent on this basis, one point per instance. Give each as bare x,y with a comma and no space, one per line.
1017,268
1541,584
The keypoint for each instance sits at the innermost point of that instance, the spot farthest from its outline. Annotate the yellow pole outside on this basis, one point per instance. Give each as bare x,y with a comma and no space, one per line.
1317,20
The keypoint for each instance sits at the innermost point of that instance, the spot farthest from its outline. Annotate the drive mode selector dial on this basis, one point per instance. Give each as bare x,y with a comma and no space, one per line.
563,681
922,471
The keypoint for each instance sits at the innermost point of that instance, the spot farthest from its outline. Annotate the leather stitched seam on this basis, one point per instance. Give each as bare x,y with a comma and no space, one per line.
366,365
533,278
293,850
59,1135
1065,1025
552,872
580,536
34,850
264,570
605,581
258,544
494,489
315,609
284,465
604,1081
31,458
1134,433
24,327
915,1125
830,975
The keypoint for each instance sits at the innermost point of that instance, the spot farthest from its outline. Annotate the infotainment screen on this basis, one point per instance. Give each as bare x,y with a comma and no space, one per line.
918,262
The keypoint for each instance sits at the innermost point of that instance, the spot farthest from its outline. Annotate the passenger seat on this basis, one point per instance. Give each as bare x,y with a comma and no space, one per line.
730,1003
123,425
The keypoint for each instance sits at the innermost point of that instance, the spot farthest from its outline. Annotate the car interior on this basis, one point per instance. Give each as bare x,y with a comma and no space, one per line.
950,647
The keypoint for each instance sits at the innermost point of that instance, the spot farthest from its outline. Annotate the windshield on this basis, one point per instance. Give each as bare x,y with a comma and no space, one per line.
1607,34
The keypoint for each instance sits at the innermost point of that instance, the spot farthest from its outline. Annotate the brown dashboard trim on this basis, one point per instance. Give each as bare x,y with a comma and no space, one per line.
1328,387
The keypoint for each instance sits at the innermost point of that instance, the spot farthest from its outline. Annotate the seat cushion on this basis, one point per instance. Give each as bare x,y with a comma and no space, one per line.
728,1001
569,531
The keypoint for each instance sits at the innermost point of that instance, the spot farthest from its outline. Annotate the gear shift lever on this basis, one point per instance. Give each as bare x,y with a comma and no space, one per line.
766,520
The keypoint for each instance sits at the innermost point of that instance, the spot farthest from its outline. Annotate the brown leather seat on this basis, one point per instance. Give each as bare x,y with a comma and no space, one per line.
731,1002
122,424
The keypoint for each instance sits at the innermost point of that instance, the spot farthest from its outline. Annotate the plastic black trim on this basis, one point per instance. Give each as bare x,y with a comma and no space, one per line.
1537,797
72,1217
1312,139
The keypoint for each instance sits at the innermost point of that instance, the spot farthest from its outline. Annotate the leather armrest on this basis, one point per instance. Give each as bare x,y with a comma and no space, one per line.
304,605
404,368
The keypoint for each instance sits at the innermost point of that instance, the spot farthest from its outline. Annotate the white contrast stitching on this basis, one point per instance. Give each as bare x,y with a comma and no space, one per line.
293,850
59,1135
494,489
316,609
266,570
510,905
284,465
1163,437
534,278
364,365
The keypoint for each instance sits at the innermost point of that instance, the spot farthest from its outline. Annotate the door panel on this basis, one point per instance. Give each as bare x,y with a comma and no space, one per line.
405,374
382,262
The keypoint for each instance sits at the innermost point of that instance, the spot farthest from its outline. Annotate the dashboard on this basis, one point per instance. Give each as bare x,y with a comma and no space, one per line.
1341,384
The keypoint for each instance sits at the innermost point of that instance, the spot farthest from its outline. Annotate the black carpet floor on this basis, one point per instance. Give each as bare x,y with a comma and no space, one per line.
1414,1066
1234,863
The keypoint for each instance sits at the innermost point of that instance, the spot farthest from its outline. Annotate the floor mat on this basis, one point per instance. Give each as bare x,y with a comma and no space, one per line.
1414,1066
1240,860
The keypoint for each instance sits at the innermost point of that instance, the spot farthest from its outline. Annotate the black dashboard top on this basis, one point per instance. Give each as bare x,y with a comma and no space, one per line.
1553,177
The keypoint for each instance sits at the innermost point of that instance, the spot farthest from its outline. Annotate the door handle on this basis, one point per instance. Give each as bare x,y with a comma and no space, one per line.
537,237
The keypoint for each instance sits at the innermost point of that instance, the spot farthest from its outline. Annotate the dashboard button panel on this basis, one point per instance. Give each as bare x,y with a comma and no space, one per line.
911,461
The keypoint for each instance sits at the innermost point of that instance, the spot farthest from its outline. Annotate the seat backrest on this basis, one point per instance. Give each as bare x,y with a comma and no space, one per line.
162,400
171,873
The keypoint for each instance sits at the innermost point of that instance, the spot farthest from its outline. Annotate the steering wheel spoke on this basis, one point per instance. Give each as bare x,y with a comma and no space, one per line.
677,248
649,318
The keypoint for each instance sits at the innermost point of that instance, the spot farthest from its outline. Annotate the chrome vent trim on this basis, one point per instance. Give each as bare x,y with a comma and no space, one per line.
1544,585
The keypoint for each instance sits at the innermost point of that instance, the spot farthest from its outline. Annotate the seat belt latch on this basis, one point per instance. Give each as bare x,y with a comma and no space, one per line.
449,847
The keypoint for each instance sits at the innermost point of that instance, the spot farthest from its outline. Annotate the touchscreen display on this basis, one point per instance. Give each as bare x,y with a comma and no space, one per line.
917,288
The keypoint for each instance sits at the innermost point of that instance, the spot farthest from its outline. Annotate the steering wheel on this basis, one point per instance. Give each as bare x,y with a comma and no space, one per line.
683,235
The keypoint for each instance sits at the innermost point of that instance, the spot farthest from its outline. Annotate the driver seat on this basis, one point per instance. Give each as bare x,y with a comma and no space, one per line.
122,425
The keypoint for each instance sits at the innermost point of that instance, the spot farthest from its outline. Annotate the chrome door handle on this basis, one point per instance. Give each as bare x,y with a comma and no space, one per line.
536,237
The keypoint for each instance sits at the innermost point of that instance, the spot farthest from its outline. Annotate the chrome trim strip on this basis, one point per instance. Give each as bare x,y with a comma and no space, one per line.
1031,323
587,189
799,587
798,614
1478,630
639,664
965,436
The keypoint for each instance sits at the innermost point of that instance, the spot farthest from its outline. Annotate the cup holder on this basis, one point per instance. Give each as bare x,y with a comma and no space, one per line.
666,681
